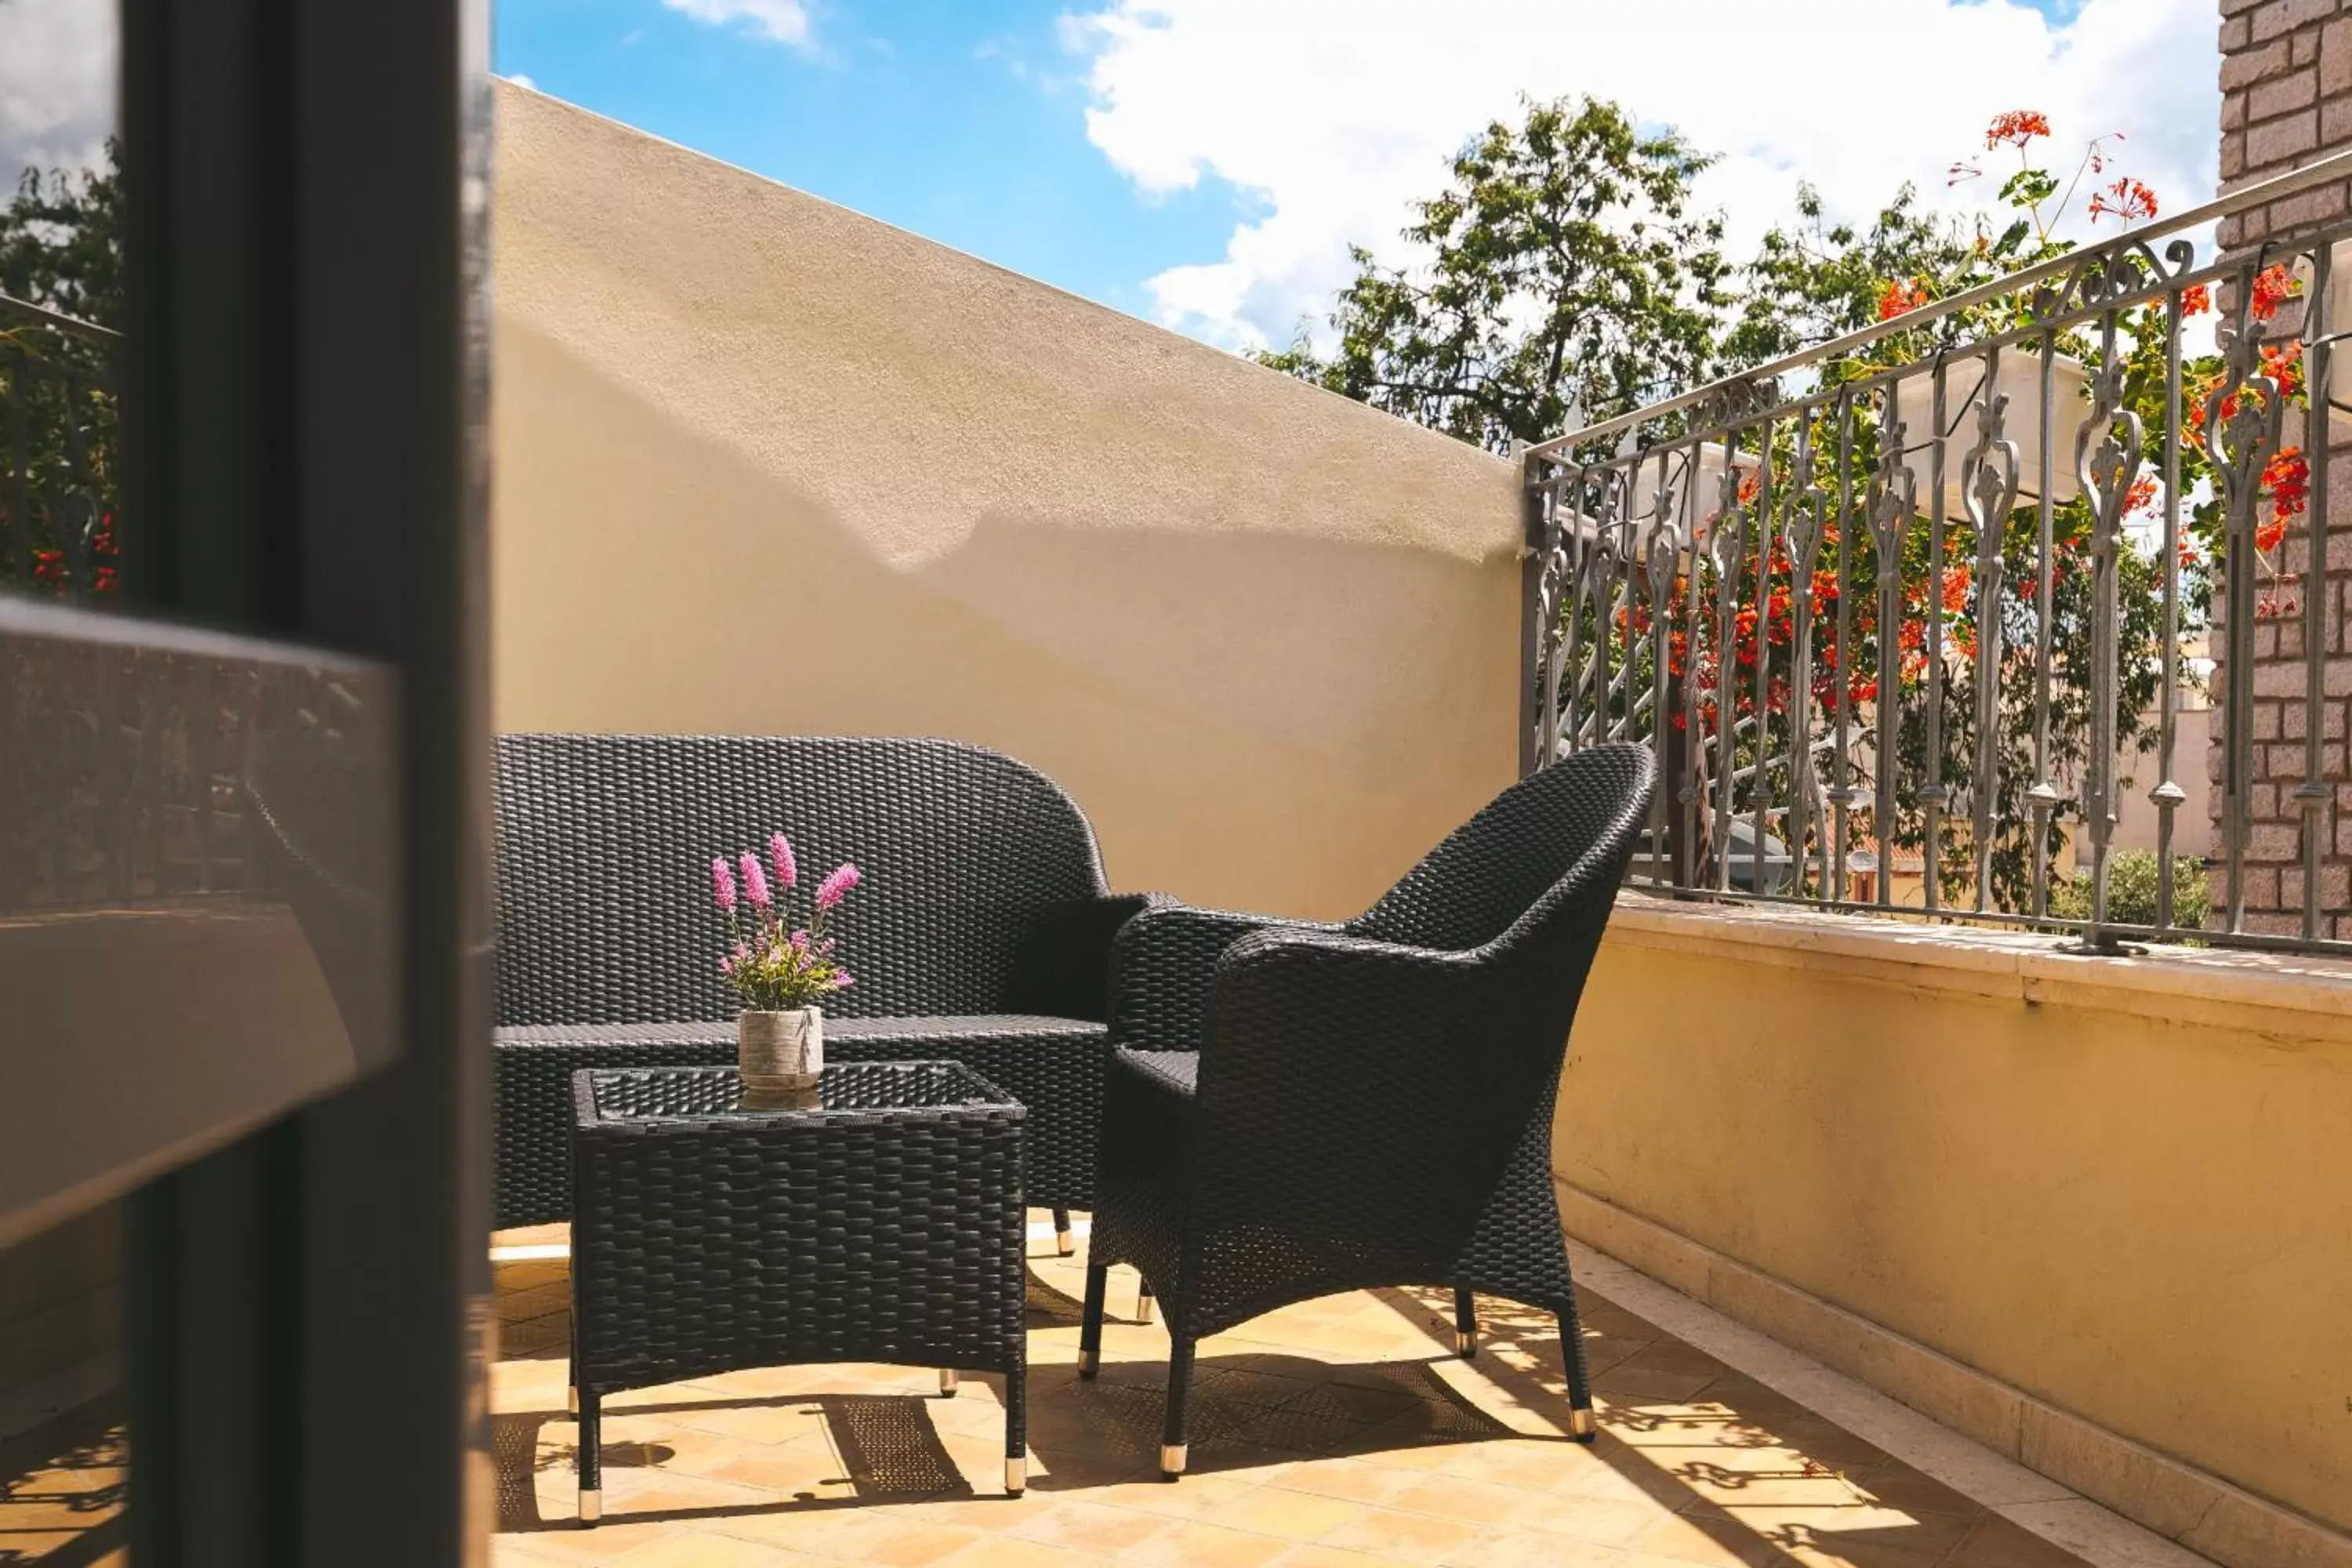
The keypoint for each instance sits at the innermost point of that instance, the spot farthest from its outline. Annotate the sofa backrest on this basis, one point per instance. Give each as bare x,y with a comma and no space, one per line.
604,845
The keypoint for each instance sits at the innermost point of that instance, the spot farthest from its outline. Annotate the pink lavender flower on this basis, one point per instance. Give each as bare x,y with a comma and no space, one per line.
780,854
722,883
800,942
841,982
755,883
829,891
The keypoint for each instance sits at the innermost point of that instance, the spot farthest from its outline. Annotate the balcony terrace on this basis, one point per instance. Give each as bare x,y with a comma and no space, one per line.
1977,1232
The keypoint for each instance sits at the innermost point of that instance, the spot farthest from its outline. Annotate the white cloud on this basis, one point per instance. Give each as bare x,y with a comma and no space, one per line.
57,84
1336,113
521,80
779,21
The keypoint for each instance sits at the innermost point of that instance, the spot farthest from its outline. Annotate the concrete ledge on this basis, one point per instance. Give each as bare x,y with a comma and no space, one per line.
2306,999
2174,1499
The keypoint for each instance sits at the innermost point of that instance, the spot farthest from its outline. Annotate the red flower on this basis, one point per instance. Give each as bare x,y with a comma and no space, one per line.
2017,127
2196,299
1894,299
2274,286
2283,362
2126,199
2287,478
2141,497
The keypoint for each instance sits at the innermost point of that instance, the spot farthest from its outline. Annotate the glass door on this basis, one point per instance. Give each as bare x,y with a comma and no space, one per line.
243,744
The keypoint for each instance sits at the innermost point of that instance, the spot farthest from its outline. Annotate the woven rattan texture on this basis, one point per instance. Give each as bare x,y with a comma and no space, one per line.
1373,1102
604,845
706,1244
984,896
1053,1065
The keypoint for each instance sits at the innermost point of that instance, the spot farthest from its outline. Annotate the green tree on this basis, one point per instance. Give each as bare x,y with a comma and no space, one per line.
1562,277
61,249
61,241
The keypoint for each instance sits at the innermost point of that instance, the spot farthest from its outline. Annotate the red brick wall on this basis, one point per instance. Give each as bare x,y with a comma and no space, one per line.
2286,86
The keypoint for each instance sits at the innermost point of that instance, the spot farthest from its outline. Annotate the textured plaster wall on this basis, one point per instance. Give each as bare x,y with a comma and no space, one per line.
2123,1188
764,465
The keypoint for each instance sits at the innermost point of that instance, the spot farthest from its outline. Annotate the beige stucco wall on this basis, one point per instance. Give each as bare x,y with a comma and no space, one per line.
2123,1188
764,465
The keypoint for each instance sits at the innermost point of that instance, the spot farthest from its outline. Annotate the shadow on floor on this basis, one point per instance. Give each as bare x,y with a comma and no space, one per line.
66,1482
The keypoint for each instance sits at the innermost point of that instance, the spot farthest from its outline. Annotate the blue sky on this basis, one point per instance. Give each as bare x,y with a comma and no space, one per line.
962,120
1206,164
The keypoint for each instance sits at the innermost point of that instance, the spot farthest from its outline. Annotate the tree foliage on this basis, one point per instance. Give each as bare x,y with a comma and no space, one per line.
1566,277
61,241
61,249
1563,277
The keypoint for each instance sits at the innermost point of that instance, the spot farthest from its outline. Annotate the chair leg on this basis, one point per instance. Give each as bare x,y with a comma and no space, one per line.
1172,1444
1580,1424
1062,1242
592,1470
1142,1301
1465,1322
1090,1321
1017,1422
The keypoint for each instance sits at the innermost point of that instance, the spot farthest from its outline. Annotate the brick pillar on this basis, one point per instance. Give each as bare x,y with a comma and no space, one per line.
2286,86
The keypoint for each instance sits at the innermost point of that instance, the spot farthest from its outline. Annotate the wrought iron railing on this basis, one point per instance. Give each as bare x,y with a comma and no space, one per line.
59,482
1934,592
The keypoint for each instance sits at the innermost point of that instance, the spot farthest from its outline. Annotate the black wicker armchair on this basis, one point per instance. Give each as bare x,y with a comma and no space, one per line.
1296,1109
980,934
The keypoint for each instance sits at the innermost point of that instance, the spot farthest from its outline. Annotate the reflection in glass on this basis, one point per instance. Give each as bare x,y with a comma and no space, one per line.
63,1445
60,299
199,894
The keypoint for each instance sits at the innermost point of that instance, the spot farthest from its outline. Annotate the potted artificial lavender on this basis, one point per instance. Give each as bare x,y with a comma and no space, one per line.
779,972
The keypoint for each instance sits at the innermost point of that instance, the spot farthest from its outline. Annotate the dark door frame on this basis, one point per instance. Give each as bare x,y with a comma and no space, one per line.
305,397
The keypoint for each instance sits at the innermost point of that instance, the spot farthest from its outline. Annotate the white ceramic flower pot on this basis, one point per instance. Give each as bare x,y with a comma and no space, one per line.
2019,377
1683,471
2340,313
779,1055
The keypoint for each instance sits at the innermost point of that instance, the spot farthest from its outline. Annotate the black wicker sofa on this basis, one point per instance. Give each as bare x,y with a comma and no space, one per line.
982,931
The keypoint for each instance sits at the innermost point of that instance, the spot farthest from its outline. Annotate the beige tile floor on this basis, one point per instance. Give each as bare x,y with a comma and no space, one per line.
1336,1433
61,1490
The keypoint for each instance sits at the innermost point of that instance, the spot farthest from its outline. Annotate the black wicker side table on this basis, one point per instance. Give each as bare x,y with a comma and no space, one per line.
888,1224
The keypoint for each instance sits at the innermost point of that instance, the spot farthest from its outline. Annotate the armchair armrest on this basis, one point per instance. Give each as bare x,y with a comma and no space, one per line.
1163,970
1062,969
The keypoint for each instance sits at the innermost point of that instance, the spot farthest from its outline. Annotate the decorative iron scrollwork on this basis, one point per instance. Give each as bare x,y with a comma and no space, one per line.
1989,486
2106,459
2111,276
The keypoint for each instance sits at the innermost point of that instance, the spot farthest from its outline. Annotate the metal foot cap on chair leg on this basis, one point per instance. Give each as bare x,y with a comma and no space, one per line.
1016,1477
1143,1308
1064,1243
1581,1425
592,1505
571,1401
1089,1362
1464,1345
1172,1460
946,1382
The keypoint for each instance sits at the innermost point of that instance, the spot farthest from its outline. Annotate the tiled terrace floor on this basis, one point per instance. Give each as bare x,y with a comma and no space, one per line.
61,1490
1337,1434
